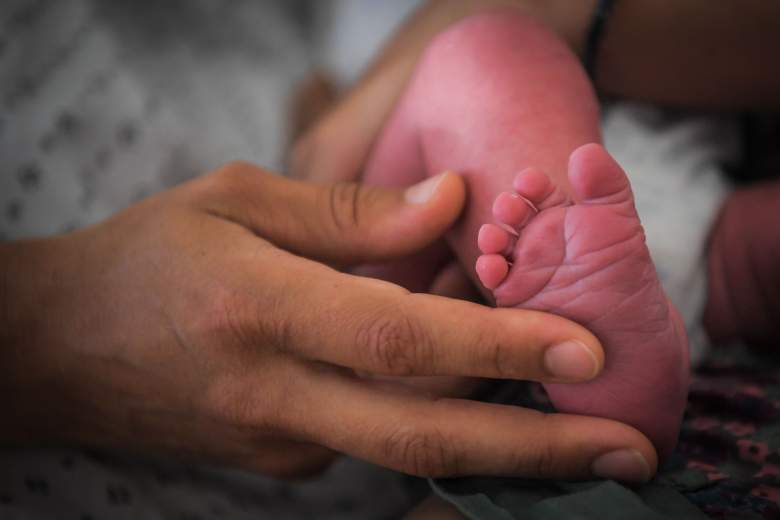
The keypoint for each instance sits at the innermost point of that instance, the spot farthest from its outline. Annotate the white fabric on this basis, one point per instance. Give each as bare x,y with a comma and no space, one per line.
673,159
674,162
104,103
108,102
349,33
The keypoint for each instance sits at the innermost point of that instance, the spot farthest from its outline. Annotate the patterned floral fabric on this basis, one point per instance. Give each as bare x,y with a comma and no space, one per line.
726,466
103,103
728,460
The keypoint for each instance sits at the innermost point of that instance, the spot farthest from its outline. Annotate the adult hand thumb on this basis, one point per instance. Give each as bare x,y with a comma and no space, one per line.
345,223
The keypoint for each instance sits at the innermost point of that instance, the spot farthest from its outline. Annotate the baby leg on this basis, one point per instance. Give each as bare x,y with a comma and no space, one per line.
744,268
498,94
397,162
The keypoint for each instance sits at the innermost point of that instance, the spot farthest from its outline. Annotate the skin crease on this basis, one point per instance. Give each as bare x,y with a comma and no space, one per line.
642,57
395,160
71,249
541,133
496,94
203,323
632,64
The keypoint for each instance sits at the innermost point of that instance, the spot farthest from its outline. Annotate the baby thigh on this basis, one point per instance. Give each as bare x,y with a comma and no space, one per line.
491,96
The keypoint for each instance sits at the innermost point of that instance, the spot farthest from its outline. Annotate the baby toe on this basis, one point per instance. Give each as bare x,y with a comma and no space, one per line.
510,209
492,270
536,187
492,239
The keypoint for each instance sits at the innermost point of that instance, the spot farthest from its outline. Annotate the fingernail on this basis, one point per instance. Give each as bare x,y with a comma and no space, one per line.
626,465
572,361
421,192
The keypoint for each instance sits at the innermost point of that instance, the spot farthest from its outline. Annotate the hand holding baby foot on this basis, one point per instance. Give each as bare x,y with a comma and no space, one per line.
204,323
585,258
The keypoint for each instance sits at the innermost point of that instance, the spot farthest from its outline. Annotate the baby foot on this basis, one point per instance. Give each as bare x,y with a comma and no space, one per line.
586,260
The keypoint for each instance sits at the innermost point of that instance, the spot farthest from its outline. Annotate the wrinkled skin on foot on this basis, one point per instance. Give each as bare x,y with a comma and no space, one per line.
495,95
491,95
585,258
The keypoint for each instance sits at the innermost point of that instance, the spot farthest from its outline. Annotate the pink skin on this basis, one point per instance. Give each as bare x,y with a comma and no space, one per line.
498,94
744,279
479,104
585,258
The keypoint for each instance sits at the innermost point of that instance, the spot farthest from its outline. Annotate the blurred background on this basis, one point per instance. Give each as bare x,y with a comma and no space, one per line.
105,102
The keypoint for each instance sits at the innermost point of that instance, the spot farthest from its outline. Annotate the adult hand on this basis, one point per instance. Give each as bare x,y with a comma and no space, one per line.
197,323
335,147
643,56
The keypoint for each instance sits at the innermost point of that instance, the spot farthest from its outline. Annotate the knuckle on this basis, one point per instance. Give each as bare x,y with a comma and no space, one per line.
342,200
249,408
420,452
396,344
219,190
236,170
227,404
498,357
349,212
505,359
224,320
539,459
236,321
233,343
544,460
232,178
488,352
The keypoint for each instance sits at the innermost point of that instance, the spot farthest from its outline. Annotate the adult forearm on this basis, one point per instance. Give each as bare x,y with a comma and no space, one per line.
29,388
185,326
694,53
397,60
335,148
18,287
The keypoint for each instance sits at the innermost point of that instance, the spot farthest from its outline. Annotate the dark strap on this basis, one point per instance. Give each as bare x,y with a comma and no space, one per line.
595,35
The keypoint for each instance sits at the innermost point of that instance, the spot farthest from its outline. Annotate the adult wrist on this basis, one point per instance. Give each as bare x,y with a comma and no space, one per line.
19,287
30,365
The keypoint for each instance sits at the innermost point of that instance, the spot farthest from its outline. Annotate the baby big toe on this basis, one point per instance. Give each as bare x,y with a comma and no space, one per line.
596,178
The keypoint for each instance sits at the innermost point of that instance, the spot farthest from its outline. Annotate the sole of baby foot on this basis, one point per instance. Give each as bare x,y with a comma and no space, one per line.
583,256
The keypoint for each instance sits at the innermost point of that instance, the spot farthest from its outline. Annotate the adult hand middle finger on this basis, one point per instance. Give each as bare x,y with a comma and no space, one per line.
375,326
403,430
